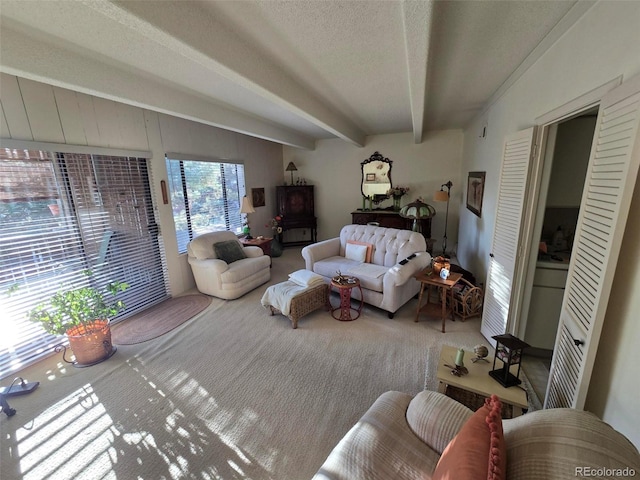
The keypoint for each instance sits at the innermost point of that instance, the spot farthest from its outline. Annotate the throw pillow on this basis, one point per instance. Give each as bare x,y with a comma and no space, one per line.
356,252
229,251
369,246
478,451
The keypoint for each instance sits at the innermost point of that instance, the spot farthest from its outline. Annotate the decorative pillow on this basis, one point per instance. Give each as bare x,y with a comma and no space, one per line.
356,252
229,251
478,451
306,278
369,248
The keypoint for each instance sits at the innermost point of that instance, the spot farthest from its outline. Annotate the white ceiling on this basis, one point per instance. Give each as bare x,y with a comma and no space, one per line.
289,71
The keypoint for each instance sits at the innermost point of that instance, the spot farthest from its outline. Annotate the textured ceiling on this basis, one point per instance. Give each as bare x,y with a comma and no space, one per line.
289,71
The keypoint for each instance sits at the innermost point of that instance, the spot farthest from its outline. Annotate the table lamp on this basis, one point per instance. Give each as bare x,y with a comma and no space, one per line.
417,211
247,207
291,168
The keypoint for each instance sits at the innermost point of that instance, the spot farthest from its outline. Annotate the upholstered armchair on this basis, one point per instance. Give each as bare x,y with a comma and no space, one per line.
245,269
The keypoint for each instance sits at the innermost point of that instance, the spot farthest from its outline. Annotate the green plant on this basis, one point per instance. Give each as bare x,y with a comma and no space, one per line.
78,307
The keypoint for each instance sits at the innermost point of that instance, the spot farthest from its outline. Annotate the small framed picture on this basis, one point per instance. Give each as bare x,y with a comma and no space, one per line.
475,192
257,197
371,177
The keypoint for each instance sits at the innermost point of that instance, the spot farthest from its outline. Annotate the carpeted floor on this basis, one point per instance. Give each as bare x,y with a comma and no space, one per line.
232,393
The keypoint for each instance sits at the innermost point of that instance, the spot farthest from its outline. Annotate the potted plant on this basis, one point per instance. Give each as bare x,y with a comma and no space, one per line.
83,314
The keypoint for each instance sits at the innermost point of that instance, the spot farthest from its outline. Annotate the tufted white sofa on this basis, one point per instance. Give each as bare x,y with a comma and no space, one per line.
386,283
216,277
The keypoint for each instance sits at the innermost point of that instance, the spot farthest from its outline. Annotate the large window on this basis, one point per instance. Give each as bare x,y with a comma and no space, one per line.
205,196
60,215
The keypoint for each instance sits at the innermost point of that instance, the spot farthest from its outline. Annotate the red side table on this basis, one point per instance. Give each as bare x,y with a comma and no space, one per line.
344,288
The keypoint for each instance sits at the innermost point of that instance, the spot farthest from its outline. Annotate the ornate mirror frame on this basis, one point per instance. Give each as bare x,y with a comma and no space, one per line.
376,177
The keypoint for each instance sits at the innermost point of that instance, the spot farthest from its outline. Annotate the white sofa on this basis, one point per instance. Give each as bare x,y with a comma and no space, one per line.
217,278
386,283
402,437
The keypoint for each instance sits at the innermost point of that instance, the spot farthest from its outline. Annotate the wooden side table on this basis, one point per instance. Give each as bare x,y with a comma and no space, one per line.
428,279
345,299
477,381
263,243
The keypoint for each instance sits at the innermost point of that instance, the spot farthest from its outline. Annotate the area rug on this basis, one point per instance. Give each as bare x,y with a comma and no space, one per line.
159,319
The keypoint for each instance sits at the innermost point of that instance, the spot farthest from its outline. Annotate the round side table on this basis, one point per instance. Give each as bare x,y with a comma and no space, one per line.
345,308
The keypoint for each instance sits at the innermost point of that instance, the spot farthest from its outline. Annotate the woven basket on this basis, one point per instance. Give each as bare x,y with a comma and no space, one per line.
92,343
474,401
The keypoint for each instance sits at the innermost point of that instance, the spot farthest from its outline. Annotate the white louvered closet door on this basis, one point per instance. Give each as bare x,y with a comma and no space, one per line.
611,177
516,159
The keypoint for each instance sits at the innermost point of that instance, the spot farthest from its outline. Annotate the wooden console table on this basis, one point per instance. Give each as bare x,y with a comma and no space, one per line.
392,219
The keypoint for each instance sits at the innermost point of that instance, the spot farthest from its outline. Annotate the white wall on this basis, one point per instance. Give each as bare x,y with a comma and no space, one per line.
38,112
589,55
335,171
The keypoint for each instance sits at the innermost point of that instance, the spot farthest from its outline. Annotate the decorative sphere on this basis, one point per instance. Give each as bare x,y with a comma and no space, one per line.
481,351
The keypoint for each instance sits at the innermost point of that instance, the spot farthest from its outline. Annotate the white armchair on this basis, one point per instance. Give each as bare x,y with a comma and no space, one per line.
220,279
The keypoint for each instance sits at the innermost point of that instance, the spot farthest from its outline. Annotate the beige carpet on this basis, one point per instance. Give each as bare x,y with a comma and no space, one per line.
159,319
233,393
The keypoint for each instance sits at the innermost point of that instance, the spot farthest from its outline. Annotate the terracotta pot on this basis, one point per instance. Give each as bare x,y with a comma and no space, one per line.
439,263
92,343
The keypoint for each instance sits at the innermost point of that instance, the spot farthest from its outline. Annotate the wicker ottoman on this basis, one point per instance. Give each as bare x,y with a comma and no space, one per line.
304,302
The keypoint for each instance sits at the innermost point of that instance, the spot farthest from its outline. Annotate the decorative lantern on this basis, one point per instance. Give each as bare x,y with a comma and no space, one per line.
508,351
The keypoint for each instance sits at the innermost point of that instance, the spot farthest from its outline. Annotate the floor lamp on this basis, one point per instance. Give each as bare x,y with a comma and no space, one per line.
442,196
247,207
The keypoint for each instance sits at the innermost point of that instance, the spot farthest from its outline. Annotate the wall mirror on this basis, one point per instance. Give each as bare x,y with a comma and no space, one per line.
376,177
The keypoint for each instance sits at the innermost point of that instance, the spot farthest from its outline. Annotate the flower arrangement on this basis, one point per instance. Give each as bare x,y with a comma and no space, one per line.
397,191
274,224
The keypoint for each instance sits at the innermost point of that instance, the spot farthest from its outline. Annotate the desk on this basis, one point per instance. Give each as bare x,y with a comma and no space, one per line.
478,380
429,279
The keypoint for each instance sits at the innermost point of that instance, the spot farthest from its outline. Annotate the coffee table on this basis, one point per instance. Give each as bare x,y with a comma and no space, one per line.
344,288
478,380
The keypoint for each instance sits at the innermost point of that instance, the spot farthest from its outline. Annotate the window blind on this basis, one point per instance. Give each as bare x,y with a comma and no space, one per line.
61,215
206,197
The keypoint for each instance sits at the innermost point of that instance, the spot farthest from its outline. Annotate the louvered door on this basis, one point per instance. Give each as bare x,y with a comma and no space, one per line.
516,159
611,177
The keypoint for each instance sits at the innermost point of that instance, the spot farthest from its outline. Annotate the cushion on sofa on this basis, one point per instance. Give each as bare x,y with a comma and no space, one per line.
355,252
229,251
369,248
478,451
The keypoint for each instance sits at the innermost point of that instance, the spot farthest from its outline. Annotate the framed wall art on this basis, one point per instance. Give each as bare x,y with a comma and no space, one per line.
257,197
475,192
371,177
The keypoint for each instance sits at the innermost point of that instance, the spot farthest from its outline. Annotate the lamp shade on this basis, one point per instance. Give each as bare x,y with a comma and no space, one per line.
417,211
441,196
247,206
291,167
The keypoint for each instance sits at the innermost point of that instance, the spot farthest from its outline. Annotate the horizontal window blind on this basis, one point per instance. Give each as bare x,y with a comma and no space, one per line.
205,197
64,214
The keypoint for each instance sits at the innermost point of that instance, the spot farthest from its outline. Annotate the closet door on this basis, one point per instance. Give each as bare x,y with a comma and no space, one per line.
611,177
514,175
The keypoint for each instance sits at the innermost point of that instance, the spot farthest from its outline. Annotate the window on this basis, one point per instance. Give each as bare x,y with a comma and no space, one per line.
62,214
205,196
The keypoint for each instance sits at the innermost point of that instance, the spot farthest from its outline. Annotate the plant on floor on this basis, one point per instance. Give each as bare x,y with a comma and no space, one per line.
78,308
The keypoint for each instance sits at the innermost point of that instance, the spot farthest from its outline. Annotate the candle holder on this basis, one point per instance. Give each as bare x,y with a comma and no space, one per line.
508,351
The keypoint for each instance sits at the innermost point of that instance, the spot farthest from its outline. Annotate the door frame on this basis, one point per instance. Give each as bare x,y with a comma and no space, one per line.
523,278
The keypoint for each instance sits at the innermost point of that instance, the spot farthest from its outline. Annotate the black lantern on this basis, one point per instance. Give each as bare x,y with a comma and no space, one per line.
509,352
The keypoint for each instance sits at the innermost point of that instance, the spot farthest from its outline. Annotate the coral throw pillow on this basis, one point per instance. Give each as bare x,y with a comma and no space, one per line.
478,450
369,246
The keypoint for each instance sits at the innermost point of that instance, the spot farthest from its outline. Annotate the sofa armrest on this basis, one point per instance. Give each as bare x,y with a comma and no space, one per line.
380,446
436,418
400,274
211,265
252,251
318,251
